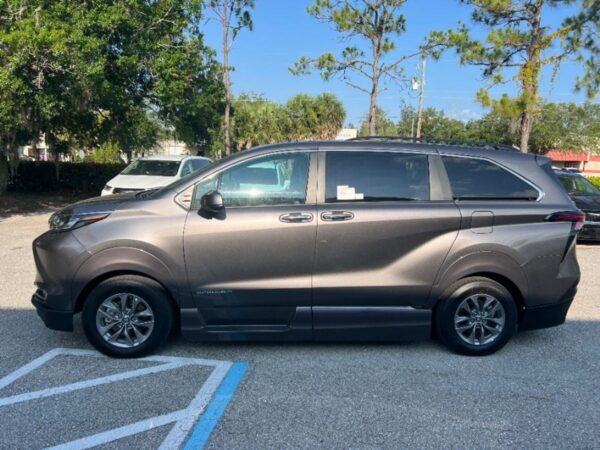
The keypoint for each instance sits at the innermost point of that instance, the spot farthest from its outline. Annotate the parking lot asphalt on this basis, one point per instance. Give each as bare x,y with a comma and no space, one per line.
541,391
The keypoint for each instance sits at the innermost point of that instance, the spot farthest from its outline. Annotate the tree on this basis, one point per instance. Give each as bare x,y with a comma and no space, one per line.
189,95
85,73
384,126
586,37
234,16
375,21
436,125
258,121
567,126
493,128
519,41
14,126
308,117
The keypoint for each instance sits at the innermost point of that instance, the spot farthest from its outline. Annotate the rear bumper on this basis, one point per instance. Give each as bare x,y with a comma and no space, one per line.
589,232
52,318
548,315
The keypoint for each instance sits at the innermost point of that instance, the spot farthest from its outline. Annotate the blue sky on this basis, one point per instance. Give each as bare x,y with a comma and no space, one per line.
283,32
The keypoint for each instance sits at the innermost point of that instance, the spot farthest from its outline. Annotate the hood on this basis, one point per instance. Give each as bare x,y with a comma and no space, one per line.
587,202
139,181
98,204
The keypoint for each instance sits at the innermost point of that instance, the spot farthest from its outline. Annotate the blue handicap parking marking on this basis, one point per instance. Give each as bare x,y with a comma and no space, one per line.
208,421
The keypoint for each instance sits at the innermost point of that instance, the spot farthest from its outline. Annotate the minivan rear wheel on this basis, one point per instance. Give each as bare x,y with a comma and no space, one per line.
127,316
476,316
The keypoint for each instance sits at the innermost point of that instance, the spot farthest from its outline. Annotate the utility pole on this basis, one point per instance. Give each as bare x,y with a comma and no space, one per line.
421,89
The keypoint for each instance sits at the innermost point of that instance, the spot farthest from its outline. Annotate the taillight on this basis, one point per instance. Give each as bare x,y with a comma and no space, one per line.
575,217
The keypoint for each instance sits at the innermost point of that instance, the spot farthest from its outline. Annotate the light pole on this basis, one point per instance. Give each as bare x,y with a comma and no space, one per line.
421,89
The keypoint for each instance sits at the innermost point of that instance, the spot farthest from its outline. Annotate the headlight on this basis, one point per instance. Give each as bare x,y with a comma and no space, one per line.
62,221
107,188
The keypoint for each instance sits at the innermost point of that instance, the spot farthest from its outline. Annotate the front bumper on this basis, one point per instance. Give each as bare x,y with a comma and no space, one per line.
57,257
52,318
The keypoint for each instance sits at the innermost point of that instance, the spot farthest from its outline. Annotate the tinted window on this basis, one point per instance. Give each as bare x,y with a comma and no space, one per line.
152,167
271,180
192,165
479,179
199,163
376,176
577,185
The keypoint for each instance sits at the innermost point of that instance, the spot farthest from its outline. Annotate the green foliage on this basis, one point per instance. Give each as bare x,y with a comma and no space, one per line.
567,126
106,153
40,176
259,121
189,94
256,121
385,126
595,181
560,126
88,72
309,117
436,125
584,42
520,45
236,12
374,23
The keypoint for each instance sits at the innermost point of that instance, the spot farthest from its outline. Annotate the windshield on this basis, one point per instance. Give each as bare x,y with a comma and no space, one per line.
578,185
153,167
179,183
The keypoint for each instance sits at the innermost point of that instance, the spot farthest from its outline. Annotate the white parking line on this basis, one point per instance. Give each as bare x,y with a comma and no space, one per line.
87,384
183,419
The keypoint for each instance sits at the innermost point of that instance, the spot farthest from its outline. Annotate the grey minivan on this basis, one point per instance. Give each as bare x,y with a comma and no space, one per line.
326,241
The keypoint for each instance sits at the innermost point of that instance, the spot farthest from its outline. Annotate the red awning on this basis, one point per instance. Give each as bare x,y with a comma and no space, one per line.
569,156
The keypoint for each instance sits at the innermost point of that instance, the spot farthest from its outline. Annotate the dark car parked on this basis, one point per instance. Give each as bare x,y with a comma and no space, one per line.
361,240
586,197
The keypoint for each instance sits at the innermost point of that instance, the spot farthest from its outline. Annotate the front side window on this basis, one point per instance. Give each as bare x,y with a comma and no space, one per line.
474,179
376,176
187,168
279,179
192,165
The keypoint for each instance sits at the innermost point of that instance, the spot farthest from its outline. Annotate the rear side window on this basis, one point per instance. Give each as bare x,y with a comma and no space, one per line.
474,179
376,176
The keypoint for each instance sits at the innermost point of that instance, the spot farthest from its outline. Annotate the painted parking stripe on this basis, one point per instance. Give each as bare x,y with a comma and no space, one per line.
38,362
217,407
213,397
35,395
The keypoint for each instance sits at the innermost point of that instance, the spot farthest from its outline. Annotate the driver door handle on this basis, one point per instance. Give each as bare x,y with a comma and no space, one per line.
336,216
298,217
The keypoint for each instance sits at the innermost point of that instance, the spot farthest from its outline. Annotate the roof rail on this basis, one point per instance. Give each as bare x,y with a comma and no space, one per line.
436,141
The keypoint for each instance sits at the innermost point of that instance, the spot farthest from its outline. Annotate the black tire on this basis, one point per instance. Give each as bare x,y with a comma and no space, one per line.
448,305
152,293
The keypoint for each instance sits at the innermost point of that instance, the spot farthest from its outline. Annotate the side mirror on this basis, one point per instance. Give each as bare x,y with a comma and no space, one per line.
211,204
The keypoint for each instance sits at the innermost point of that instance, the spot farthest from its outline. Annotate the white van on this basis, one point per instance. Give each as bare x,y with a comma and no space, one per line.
153,172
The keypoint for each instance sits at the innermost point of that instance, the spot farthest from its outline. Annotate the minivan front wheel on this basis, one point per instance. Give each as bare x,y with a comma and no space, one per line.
127,316
477,316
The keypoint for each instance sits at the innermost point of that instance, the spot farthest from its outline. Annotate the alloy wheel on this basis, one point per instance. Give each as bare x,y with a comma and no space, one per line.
479,319
125,320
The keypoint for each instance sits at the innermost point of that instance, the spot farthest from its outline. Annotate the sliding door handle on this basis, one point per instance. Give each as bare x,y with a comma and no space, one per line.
336,216
298,217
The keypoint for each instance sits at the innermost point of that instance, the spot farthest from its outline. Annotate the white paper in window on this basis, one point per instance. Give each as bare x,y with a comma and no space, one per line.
345,192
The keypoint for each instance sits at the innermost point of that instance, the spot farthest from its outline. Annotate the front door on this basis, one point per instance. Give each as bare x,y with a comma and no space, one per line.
250,270
384,229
